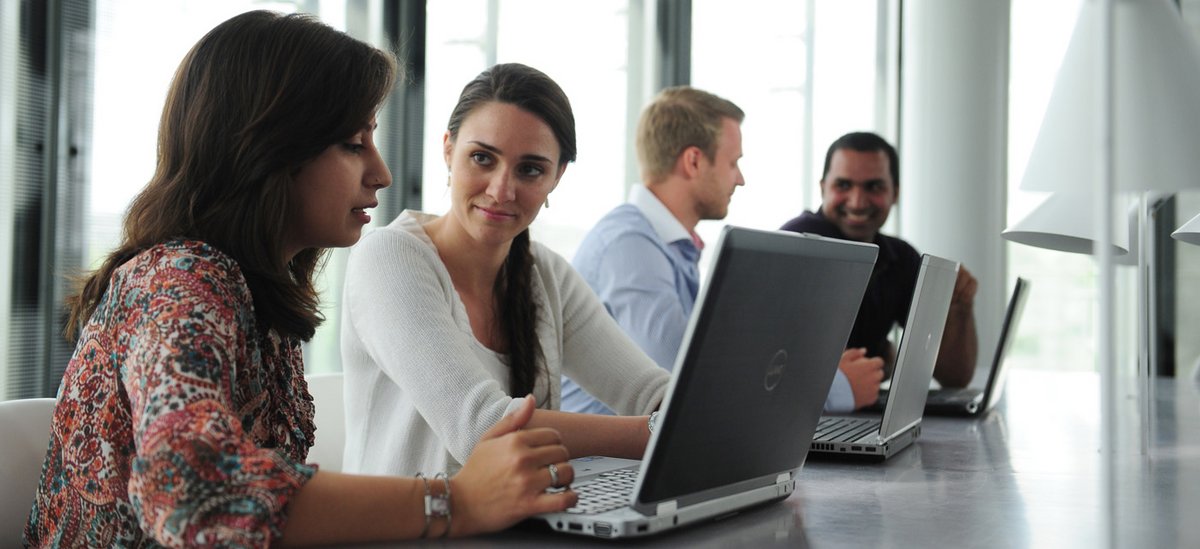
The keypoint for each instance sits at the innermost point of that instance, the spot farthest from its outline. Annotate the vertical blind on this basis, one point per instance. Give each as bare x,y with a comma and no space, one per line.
81,86
46,101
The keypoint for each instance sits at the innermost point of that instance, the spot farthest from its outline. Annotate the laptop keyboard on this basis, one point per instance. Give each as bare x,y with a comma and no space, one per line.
610,490
845,429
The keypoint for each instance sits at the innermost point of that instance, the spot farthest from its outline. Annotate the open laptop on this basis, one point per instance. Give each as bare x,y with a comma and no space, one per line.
880,438
971,401
745,393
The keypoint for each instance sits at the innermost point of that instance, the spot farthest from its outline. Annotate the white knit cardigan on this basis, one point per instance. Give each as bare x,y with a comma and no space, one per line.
420,389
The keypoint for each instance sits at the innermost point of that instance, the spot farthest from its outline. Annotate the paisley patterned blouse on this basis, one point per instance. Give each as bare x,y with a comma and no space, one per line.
177,423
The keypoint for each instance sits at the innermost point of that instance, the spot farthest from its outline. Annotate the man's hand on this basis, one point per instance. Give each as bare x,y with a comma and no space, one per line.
864,374
964,288
956,360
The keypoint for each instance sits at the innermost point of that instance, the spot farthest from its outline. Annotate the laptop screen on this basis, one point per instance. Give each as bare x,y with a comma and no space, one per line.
919,346
1012,317
757,361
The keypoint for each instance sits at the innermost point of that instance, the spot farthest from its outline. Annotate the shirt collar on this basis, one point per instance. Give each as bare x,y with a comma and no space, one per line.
668,228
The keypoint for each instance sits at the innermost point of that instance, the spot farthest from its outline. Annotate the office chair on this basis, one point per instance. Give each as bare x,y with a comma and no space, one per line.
24,437
326,390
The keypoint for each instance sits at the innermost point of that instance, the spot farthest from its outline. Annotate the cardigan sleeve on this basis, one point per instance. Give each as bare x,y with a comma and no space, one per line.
596,352
197,477
401,308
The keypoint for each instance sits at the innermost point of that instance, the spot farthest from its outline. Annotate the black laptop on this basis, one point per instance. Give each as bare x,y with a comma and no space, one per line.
751,377
972,401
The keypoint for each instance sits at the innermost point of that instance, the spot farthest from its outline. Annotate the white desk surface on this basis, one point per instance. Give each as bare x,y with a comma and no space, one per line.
1030,474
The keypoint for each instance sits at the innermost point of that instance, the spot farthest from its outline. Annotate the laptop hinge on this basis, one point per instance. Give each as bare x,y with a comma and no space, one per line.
783,477
666,508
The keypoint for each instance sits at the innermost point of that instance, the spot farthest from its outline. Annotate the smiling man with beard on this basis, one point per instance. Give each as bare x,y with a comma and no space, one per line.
859,186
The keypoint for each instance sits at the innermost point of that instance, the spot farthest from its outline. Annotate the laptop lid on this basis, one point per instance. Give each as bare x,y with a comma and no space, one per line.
919,345
755,365
994,389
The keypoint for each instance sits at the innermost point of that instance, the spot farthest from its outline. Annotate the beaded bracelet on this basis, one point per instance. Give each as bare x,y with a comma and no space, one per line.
436,506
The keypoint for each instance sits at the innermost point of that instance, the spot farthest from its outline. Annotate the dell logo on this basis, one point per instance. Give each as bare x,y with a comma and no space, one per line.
775,370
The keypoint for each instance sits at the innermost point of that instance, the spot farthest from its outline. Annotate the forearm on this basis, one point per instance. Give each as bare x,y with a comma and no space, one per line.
590,435
334,508
504,481
959,350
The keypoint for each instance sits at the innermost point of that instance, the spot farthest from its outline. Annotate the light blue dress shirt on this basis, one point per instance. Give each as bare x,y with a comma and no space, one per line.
643,264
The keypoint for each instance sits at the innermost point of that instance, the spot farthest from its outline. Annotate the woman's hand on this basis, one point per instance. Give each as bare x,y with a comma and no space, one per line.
506,477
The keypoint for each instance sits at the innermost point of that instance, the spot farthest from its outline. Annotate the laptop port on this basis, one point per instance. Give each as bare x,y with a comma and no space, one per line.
575,526
603,529
642,528
856,448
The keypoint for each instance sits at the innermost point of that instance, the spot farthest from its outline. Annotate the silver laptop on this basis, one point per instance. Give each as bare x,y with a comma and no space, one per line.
971,401
745,393
881,438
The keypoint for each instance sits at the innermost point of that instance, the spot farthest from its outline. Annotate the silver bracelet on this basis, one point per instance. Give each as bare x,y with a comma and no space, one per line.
436,506
444,501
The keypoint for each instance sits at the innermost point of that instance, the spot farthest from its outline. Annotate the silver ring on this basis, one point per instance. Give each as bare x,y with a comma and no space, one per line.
553,475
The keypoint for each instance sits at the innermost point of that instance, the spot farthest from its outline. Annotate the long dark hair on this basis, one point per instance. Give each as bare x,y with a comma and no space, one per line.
253,101
534,92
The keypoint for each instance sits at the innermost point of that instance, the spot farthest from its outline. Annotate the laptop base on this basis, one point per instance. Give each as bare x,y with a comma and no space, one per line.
966,402
954,402
877,451
626,522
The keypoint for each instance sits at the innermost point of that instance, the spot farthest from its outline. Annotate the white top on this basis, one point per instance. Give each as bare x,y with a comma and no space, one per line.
421,389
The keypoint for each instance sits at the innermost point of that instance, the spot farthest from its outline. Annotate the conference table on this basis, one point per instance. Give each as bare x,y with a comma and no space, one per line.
1029,474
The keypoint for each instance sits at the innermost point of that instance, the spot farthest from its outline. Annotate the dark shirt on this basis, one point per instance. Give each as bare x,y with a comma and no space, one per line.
889,291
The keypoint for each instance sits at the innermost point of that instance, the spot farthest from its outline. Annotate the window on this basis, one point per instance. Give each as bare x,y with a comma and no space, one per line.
117,60
819,69
43,119
121,83
1054,333
1187,273
807,86
589,61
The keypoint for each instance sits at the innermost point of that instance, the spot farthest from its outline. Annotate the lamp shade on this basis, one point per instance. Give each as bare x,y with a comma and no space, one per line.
1156,124
1064,222
1189,232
